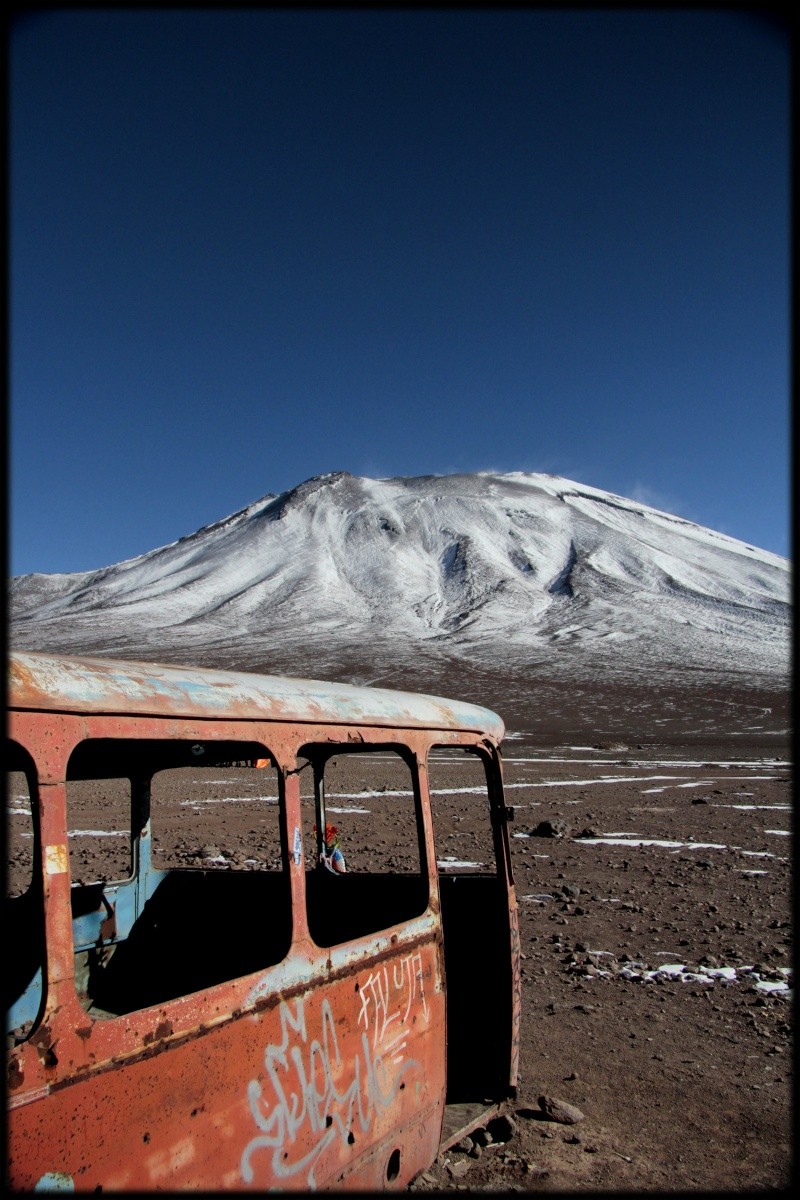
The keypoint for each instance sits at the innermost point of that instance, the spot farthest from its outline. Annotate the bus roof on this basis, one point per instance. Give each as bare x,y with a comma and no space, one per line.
55,683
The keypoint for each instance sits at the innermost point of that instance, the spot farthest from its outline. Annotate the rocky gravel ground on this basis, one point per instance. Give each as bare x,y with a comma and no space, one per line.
656,935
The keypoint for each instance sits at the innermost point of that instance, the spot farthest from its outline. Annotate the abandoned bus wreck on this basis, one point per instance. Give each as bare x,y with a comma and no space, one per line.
307,1011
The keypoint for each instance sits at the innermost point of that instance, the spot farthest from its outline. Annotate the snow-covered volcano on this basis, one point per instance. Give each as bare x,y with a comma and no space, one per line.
499,570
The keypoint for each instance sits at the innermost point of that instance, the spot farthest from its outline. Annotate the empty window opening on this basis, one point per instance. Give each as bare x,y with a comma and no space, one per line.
19,830
23,923
462,825
366,872
99,829
221,818
206,898
474,906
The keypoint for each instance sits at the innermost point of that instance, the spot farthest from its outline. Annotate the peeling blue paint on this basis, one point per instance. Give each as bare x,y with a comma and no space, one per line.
55,683
55,1181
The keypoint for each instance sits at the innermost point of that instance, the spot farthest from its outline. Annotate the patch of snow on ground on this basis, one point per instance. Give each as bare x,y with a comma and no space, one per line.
756,807
679,972
455,864
195,803
97,833
631,841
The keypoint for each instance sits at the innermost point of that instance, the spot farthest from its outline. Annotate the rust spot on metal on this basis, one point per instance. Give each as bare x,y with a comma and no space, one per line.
161,1031
45,1045
108,928
15,1074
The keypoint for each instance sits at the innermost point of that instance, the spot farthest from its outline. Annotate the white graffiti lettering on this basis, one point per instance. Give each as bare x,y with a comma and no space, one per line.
376,996
313,1095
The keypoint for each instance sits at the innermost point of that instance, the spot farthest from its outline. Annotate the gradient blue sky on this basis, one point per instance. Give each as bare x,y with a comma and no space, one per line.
251,246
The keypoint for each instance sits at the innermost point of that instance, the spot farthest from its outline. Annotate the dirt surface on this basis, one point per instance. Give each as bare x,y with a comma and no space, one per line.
683,1078
654,883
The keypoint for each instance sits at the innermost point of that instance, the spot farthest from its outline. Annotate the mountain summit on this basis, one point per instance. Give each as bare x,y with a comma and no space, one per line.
494,569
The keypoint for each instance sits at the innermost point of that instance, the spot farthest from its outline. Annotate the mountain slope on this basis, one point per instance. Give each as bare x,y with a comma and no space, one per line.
490,569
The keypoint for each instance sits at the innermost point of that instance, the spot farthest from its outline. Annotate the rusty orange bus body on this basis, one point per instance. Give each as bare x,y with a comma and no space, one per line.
215,1029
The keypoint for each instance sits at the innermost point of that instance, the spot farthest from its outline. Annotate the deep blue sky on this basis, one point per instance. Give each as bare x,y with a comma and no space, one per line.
251,246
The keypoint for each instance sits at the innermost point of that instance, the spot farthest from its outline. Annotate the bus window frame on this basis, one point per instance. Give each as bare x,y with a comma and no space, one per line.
63,1012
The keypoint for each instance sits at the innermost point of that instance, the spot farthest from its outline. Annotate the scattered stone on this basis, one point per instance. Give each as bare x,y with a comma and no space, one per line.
502,1128
550,829
459,1169
466,1144
560,1110
482,1137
